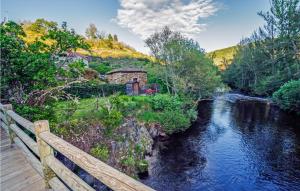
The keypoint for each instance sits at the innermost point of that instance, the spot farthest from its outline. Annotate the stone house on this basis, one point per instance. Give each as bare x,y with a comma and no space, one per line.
134,78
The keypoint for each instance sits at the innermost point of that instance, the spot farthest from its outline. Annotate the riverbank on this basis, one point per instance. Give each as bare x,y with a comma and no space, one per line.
120,130
240,145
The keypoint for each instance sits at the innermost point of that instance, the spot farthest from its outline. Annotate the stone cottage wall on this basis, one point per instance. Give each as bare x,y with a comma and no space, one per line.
123,78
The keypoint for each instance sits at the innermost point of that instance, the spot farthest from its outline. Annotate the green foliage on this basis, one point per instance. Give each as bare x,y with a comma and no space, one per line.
35,113
186,69
24,68
111,119
270,57
94,89
100,67
174,121
142,165
288,96
162,102
75,69
65,40
41,26
149,116
101,152
33,66
128,161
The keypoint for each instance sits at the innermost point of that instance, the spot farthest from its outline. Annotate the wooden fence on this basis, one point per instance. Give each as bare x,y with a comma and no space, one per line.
38,144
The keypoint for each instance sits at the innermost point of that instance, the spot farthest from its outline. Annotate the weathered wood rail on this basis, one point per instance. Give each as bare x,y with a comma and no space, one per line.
39,144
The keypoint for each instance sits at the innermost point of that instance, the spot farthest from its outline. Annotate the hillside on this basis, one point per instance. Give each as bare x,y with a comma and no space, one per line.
104,48
223,57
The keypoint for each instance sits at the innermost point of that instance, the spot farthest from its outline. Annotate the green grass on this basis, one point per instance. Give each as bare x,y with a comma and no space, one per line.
84,107
164,109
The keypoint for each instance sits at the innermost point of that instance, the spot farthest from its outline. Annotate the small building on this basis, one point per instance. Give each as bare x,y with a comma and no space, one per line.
134,78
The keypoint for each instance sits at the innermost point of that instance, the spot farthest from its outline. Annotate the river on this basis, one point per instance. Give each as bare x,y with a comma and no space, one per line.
238,143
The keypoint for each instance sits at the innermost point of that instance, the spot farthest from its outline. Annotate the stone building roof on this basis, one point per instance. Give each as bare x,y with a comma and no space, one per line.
127,70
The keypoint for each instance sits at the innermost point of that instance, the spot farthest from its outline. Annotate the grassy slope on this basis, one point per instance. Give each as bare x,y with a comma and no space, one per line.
225,54
99,48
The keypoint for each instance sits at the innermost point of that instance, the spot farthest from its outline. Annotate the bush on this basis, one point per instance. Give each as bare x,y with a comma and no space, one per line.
35,113
110,118
173,121
142,165
89,89
288,96
149,116
101,152
162,102
102,68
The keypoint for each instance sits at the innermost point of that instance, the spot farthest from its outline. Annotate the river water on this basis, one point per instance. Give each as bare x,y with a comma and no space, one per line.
238,143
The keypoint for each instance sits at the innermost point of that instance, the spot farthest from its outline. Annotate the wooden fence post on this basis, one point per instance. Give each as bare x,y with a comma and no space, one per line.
44,149
10,121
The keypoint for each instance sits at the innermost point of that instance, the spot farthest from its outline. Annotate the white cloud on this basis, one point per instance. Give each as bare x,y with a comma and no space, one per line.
144,17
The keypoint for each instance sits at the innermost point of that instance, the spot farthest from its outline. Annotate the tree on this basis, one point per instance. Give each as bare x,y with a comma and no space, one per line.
23,68
65,40
270,57
186,69
110,38
41,26
115,38
28,68
91,32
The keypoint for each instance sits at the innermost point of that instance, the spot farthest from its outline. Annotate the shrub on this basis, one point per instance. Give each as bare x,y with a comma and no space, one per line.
288,96
89,89
101,152
70,128
149,116
110,118
34,113
102,68
142,165
128,161
162,102
173,121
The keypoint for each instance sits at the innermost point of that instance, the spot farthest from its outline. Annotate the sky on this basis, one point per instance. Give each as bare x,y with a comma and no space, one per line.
215,24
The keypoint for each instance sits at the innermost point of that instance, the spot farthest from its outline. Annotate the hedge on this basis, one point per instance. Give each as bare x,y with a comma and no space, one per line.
288,96
88,90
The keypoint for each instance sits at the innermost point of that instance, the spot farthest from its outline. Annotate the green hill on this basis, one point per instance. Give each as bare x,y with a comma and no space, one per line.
104,48
223,57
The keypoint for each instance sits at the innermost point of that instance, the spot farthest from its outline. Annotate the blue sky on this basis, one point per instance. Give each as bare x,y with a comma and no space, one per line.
214,24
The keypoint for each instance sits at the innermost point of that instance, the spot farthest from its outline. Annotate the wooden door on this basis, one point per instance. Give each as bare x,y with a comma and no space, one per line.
136,88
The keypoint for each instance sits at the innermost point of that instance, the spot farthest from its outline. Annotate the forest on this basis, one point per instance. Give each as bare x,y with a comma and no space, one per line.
268,62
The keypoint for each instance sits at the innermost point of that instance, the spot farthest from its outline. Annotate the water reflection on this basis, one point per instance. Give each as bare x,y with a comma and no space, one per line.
237,144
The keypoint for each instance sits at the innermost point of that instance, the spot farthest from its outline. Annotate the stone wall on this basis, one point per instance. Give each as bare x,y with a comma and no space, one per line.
123,78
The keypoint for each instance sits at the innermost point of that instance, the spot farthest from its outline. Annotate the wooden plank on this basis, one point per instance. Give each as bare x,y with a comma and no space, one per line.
72,180
34,162
22,181
9,176
4,127
111,177
3,118
25,138
22,121
57,185
16,172
1,107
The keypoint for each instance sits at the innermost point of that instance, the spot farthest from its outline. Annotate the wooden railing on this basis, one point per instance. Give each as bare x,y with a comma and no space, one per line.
38,149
